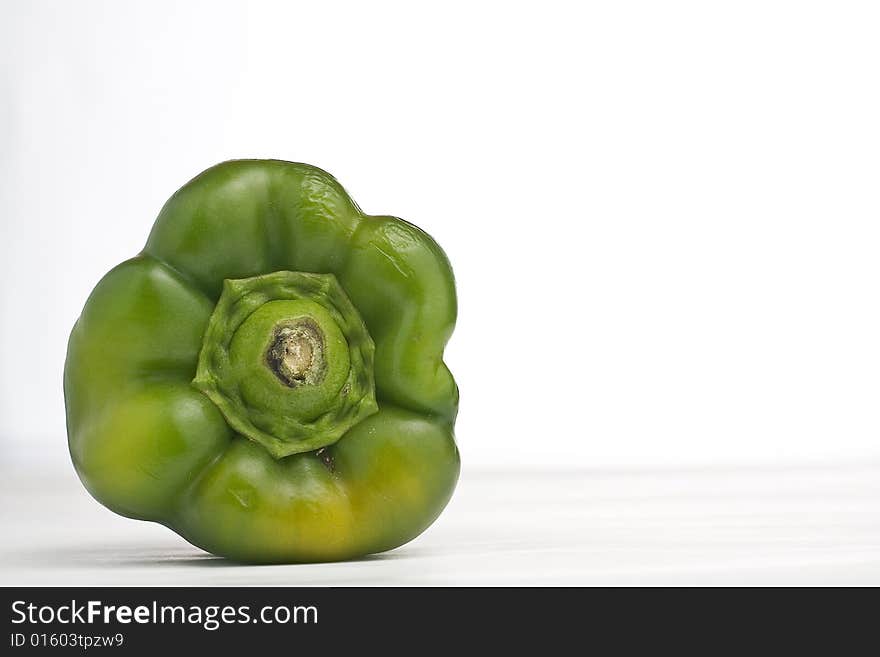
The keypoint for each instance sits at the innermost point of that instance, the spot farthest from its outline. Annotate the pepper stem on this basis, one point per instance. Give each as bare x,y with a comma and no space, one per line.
296,353
288,361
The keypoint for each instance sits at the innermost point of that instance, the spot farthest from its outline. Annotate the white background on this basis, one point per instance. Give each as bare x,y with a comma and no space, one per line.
663,217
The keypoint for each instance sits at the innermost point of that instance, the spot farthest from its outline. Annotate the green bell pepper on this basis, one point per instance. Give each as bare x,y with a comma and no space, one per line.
266,378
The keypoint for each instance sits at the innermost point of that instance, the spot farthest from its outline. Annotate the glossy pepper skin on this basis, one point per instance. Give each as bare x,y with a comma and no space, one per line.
266,377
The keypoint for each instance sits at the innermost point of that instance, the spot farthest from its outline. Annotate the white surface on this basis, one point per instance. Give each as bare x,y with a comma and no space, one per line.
687,191
806,525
